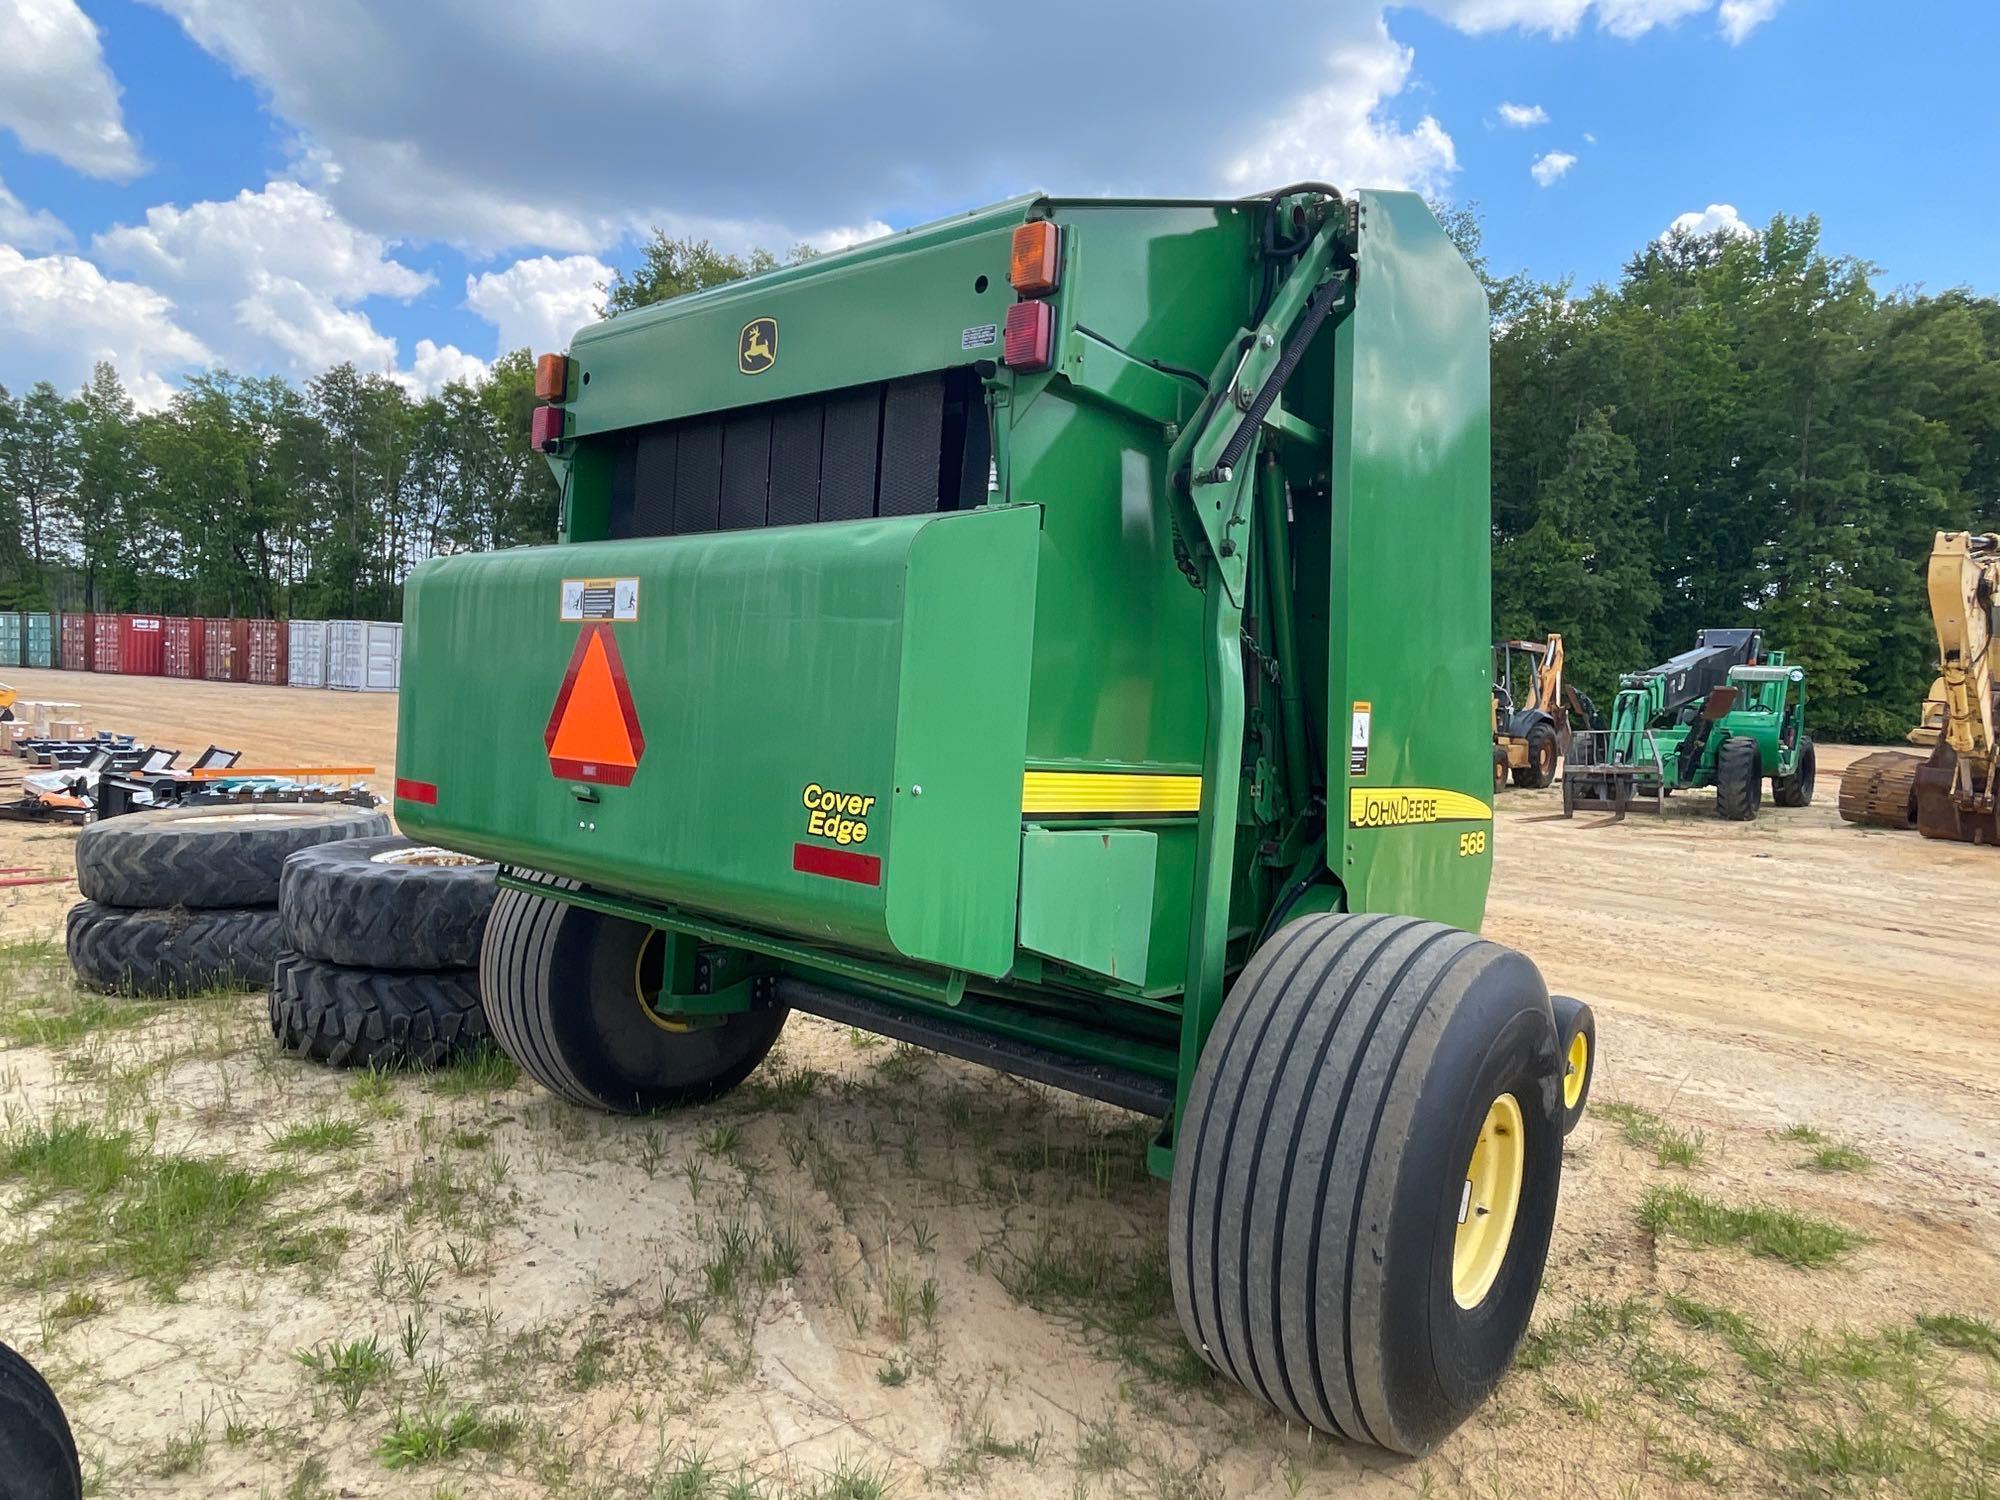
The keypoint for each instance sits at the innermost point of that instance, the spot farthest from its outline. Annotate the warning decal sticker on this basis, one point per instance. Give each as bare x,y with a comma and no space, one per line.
1357,744
593,732
599,599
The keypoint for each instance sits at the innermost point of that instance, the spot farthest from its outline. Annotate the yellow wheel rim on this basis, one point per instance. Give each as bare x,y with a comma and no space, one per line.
1487,1202
1576,1070
639,986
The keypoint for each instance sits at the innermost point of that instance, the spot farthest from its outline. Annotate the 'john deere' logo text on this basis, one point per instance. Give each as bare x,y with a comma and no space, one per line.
757,347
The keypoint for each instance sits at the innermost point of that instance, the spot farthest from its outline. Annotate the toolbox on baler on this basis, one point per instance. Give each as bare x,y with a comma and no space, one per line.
1016,635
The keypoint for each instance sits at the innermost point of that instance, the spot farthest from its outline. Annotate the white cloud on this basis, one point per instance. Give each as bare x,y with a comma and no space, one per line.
268,278
56,94
848,236
536,304
62,315
29,228
436,367
1560,18
1523,116
1738,18
1717,218
1547,169
1336,133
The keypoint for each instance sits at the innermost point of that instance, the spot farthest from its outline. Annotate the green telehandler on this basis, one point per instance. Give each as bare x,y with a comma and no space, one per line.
1056,637
1725,714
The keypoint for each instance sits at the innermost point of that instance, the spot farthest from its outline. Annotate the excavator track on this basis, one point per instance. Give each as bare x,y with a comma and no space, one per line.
1880,790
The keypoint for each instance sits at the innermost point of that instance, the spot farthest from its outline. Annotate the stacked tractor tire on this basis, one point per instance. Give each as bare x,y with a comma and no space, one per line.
186,899
380,964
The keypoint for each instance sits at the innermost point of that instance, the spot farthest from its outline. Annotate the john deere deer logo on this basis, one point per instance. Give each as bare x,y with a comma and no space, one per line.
757,348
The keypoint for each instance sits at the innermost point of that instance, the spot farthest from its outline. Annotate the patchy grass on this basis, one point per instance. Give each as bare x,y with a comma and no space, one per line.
317,1133
1777,1233
1838,1159
350,1369
435,1436
1670,1145
1959,1331
484,1070
1117,1292
1801,1135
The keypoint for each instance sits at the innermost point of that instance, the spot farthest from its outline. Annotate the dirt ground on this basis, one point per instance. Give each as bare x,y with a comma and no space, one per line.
873,1271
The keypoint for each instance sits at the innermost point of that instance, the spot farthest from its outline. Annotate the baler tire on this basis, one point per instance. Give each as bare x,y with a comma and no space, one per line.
1543,753
375,1018
119,951
38,1458
563,998
1329,1142
208,856
378,903
1576,1039
1796,790
1739,780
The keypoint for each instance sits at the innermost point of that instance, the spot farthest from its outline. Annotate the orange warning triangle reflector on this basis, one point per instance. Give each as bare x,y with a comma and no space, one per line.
593,732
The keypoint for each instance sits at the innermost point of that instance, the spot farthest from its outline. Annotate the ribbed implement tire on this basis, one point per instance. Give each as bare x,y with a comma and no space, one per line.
38,1459
1318,1173
374,1018
385,903
563,998
1574,1019
124,952
208,856
1739,779
1796,790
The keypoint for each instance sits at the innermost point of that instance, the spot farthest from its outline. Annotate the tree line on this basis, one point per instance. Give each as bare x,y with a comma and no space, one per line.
1741,430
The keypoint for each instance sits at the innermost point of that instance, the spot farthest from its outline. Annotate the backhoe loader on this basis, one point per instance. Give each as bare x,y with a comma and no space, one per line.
1951,794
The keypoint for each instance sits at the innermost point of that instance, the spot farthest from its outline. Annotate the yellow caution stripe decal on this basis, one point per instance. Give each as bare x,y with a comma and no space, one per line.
1108,793
1406,806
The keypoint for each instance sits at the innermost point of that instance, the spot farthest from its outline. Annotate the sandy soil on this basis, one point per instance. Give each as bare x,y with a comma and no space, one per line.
873,1265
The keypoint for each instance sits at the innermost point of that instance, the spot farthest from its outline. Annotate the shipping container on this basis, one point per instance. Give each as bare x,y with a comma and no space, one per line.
364,655
11,639
79,636
266,665
307,646
181,654
225,650
107,638
41,641
141,645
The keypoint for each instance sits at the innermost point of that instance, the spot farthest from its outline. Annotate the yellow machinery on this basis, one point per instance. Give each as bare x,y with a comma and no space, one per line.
1530,736
1951,793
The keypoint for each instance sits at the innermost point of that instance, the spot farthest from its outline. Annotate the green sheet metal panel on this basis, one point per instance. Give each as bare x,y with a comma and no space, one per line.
1411,577
775,674
1087,898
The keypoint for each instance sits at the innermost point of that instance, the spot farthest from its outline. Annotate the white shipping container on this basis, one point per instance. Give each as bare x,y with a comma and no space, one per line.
364,655
307,654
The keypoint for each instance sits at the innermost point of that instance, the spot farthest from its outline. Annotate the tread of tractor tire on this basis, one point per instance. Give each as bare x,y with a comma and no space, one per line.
1531,775
1797,790
343,904
1285,1168
374,1018
1739,779
208,856
120,951
38,1457
1880,790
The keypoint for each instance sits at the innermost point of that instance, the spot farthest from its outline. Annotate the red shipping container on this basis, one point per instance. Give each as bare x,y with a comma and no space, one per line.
182,656
107,640
141,645
268,640
225,650
77,639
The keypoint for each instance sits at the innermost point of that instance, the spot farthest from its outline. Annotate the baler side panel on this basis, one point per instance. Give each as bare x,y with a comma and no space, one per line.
1411,582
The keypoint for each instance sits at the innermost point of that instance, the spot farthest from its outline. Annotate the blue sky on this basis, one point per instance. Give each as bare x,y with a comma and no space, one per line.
279,184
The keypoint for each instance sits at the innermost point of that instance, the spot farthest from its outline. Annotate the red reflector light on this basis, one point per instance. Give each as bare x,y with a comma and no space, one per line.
547,428
1030,337
837,864
551,378
1035,263
416,791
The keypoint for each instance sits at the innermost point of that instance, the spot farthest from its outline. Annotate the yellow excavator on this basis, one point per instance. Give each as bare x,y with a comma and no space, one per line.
1951,794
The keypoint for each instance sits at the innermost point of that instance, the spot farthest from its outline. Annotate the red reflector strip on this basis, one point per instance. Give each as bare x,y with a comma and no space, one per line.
603,773
837,864
416,791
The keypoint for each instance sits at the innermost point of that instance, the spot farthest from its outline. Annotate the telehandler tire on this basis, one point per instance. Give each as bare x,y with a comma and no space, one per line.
208,856
1796,790
118,951
386,903
374,1018
1576,1036
1543,753
38,1459
1365,1181
564,990
1739,780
